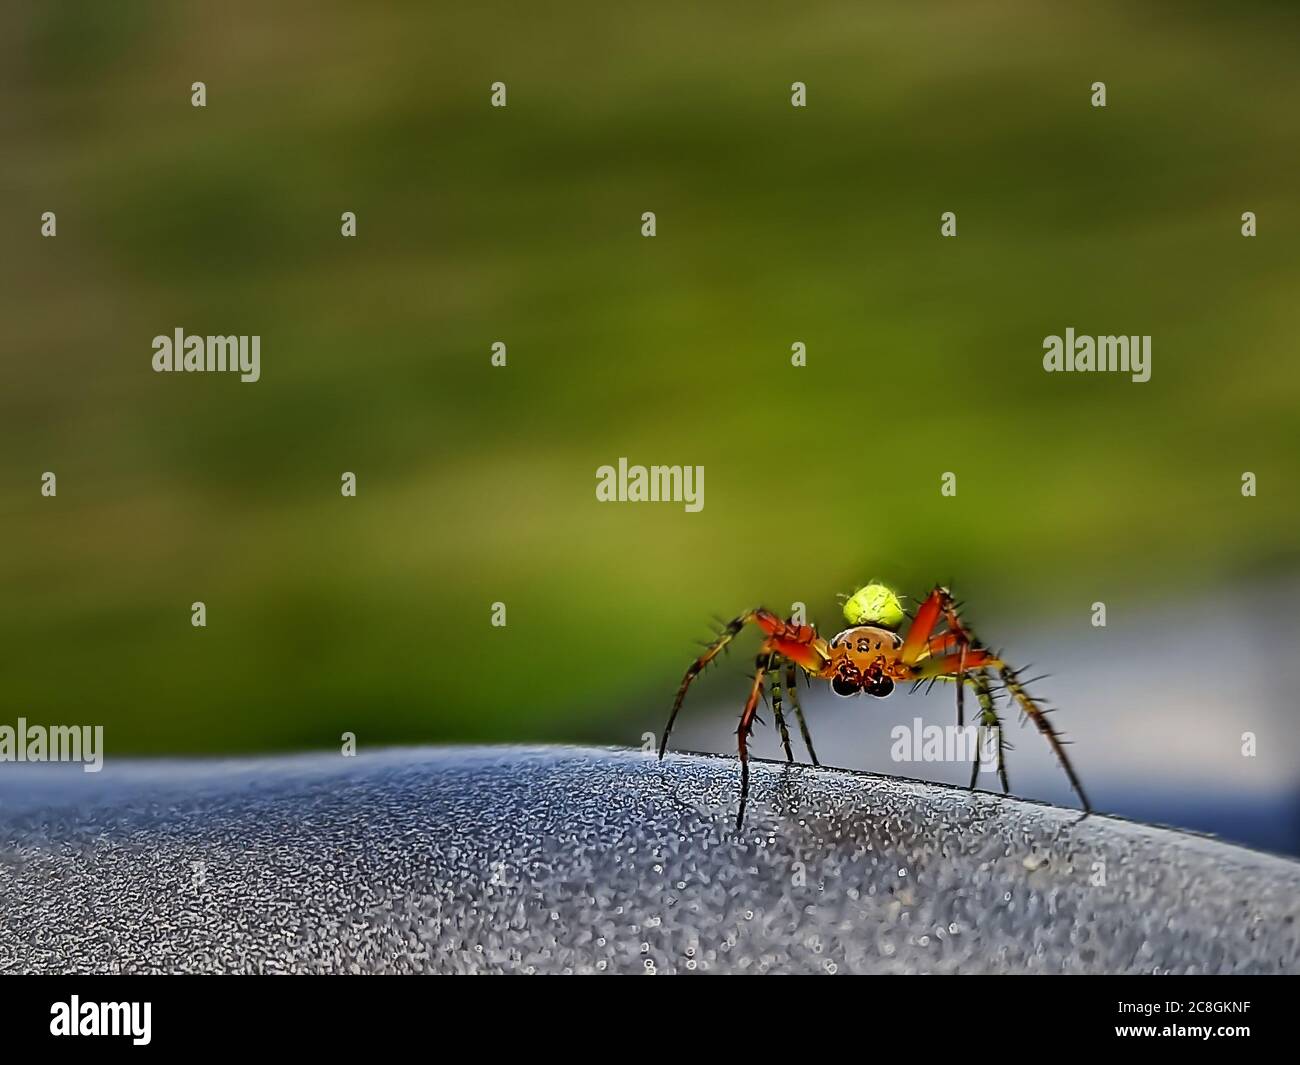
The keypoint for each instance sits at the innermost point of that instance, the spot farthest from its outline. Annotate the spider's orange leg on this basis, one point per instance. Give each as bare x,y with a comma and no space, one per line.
797,643
922,628
949,667
742,736
697,667
921,640
943,643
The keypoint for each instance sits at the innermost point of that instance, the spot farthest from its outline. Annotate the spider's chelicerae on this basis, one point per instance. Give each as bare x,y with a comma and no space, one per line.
870,657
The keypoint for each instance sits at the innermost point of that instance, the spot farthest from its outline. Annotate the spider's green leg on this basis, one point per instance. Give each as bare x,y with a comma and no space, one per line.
791,677
961,689
771,665
988,718
965,641
1038,716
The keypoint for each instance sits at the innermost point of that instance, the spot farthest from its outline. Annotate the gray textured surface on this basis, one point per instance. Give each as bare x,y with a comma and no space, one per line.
585,860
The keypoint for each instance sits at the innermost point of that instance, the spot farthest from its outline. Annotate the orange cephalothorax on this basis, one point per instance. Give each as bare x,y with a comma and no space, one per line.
865,659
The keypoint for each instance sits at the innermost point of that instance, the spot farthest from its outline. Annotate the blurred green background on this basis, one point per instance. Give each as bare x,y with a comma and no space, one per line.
521,224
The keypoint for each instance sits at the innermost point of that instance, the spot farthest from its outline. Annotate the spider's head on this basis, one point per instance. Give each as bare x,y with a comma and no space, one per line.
874,604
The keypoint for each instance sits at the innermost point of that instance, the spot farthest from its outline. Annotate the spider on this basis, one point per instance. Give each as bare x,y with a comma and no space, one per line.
871,656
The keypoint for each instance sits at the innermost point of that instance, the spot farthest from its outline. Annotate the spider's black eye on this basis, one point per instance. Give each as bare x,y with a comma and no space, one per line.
880,687
841,686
